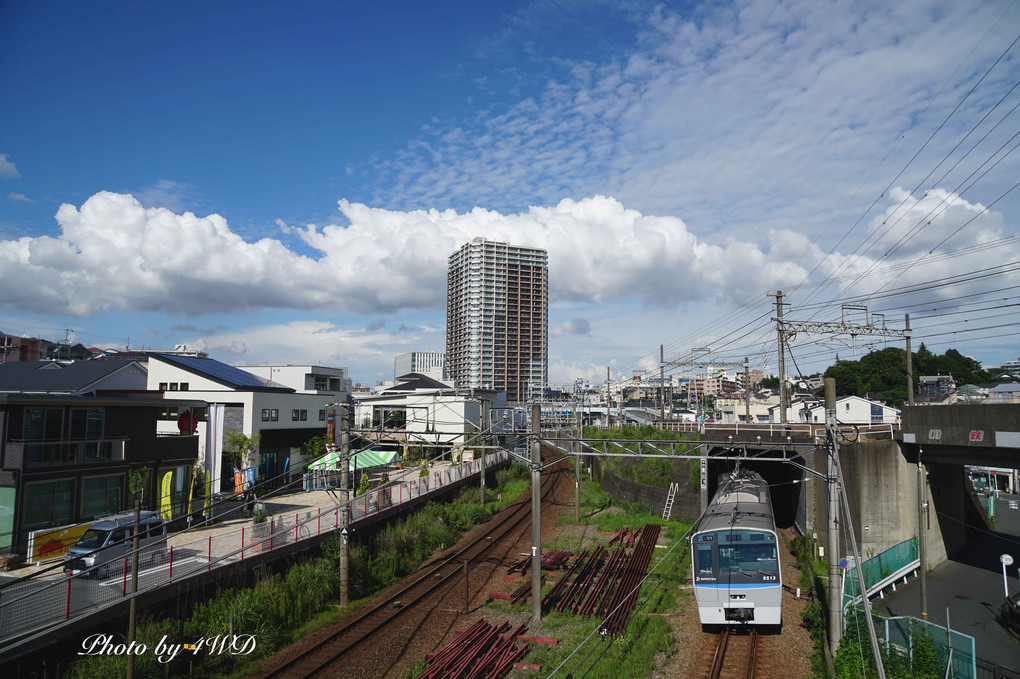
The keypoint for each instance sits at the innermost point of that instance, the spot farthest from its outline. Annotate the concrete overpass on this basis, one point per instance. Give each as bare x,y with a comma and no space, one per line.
986,435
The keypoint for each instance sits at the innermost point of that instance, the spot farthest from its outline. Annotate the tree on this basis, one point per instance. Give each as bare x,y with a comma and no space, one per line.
240,449
848,382
315,447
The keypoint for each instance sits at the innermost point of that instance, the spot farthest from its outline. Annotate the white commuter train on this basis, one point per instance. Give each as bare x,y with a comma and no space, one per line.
735,550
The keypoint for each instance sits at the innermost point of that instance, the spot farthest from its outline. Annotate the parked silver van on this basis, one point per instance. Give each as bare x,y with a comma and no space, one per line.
101,549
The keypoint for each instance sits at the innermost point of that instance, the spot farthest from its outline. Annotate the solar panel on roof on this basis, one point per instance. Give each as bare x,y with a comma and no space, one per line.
217,370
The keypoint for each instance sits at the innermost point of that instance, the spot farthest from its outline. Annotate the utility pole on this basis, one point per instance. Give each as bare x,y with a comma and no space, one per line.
536,515
132,610
910,364
662,388
345,465
922,542
832,450
783,399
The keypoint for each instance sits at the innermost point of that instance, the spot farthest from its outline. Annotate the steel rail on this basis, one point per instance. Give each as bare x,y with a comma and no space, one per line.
720,652
487,541
752,653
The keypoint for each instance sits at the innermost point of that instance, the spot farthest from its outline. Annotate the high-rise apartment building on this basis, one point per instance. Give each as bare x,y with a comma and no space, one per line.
431,363
497,321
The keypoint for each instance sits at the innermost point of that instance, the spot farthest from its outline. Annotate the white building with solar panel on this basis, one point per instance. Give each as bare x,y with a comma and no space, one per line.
285,411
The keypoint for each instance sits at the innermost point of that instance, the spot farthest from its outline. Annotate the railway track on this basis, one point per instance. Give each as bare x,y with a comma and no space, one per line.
428,585
735,654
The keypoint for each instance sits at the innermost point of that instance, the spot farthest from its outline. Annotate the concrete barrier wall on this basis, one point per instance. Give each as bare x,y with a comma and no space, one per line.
686,503
882,493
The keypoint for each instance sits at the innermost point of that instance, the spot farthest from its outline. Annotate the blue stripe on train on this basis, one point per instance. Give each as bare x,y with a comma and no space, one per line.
735,586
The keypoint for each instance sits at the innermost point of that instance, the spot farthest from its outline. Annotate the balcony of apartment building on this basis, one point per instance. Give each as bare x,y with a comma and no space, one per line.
38,453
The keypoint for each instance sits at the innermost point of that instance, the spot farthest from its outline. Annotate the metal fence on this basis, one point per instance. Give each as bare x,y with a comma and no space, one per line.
36,604
904,633
988,670
882,570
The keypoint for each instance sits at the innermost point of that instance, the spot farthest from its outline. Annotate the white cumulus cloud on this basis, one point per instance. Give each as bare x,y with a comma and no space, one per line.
113,253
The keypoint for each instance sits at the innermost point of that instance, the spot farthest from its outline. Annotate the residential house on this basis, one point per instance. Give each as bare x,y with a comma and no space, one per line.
849,410
78,377
14,349
68,457
734,408
282,416
428,413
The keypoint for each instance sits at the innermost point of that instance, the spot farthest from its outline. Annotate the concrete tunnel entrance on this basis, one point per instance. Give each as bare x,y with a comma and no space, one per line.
785,483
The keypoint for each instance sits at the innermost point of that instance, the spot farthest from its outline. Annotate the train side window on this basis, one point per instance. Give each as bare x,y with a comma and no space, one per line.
705,560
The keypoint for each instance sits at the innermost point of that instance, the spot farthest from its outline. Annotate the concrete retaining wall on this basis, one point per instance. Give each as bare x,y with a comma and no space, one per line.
882,493
686,503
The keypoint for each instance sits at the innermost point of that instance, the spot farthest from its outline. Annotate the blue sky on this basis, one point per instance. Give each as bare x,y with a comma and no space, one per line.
282,182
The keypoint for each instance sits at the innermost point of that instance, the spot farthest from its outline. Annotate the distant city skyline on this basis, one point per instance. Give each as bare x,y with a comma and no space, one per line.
280,184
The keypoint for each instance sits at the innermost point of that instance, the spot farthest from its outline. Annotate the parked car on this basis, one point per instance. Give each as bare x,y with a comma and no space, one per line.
102,548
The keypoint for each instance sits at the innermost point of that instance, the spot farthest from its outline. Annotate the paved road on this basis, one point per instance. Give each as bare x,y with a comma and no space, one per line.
970,585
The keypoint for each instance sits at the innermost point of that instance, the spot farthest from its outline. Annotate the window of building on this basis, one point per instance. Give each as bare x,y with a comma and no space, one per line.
265,414
184,386
321,383
43,433
322,416
48,503
304,415
101,495
86,423
274,415
163,386
86,430
295,414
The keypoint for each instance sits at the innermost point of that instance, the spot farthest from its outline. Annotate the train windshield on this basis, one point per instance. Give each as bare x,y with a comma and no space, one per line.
730,554
748,552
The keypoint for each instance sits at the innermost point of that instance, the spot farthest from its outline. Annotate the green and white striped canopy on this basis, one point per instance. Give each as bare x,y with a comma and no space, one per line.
362,460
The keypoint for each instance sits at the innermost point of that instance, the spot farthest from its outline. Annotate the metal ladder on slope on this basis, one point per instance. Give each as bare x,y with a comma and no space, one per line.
668,509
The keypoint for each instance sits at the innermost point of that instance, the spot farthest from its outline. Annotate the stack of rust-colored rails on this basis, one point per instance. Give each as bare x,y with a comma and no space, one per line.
550,560
480,651
626,537
605,583
627,592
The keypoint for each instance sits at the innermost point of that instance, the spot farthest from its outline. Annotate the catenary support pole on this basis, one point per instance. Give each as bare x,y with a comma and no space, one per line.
662,387
703,478
536,515
575,448
832,450
747,391
910,363
609,404
345,457
876,651
784,400
922,539
486,439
